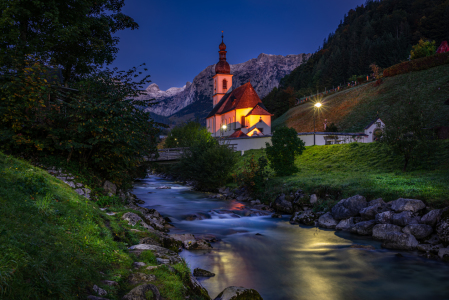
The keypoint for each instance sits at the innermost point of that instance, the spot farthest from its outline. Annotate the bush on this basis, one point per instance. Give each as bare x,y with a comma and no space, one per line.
418,64
281,154
206,162
423,49
254,174
185,135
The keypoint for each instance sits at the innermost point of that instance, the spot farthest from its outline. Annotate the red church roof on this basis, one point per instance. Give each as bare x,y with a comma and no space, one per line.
259,111
444,47
238,133
242,97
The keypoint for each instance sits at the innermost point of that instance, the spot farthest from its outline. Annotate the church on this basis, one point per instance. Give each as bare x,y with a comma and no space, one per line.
236,112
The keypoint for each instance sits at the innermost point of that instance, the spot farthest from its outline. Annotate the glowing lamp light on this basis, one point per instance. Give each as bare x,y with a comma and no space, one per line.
318,105
224,127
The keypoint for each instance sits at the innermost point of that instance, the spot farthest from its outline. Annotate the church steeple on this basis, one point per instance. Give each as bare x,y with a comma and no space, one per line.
222,67
223,77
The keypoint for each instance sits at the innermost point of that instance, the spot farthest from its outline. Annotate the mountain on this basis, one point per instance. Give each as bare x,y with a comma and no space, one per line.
194,100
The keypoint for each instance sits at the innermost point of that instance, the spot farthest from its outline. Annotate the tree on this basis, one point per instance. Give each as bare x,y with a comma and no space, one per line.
185,135
77,36
206,162
331,128
423,49
285,146
407,131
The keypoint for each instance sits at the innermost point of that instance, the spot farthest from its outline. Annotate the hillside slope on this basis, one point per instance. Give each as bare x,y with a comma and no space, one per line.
353,109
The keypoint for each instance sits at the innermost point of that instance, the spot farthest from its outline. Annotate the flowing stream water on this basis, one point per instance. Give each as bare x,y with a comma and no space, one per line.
287,261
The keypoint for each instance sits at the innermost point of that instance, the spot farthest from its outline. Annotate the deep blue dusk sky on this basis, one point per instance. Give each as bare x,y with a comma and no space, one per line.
178,39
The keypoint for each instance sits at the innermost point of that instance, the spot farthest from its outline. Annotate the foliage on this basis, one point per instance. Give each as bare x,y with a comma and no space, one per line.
418,64
370,170
331,128
185,135
207,162
407,132
98,125
377,71
75,35
253,174
424,48
379,31
285,146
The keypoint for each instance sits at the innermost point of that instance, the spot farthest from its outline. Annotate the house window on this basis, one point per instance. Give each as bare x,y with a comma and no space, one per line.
225,84
243,121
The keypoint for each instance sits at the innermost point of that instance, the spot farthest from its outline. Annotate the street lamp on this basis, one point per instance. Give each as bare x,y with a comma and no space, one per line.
316,106
223,128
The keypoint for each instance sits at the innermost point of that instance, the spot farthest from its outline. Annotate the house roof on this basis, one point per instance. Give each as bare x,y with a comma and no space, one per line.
372,123
242,97
238,133
259,110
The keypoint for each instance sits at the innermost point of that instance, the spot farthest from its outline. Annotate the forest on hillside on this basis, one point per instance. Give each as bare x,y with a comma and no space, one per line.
380,32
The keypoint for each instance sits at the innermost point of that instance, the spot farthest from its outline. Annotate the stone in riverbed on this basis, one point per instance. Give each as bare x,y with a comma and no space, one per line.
381,230
402,204
282,205
402,219
443,253
197,216
378,202
363,228
304,217
370,212
139,293
327,221
419,231
238,293
349,207
401,241
202,273
345,225
275,215
442,227
432,217
384,217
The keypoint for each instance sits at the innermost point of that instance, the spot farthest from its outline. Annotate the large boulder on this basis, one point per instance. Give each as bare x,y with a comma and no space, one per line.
238,293
134,219
136,278
140,293
202,273
401,241
384,217
327,221
304,217
163,255
110,188
345,225
195,288
349,207
282,205
378,202
419,231
370,212
442,227
363,228
443,253
402,219
432,217
402,204
381,230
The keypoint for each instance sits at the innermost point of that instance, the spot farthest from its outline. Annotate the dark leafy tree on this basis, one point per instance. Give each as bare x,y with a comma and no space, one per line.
186,134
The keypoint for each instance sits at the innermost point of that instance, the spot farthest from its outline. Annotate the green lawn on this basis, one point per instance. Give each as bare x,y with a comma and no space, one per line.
55,244
367,169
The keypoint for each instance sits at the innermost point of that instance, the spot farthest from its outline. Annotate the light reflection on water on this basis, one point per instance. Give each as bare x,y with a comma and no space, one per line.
291,262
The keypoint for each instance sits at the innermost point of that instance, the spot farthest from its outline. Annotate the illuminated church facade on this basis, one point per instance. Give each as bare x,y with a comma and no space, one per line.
236,112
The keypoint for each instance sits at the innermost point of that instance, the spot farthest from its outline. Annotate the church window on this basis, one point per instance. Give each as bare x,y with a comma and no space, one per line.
243,121
225,84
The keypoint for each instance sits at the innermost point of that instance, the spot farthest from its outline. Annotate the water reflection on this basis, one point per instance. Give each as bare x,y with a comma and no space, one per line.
292,262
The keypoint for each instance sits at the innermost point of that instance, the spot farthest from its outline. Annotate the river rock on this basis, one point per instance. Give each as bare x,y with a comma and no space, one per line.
432,217
443,253
202,273
384,217
197,216
160,252
313,199
304,217
442,227
381,230
419,231
136,278
345,225
99,290
238,293
282,205
138,293
134,219
138,264
370,212
378,201
429,248
110,188
401,241
327,221
363,228
402,219
349,207
402,204
275,215
255,202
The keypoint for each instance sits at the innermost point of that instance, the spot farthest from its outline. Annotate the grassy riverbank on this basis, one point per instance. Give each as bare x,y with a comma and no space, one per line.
366,169
55,244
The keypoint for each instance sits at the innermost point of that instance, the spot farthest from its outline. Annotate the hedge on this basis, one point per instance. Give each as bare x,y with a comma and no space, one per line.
419,64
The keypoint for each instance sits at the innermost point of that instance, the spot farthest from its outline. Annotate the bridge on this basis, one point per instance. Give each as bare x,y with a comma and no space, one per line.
168,155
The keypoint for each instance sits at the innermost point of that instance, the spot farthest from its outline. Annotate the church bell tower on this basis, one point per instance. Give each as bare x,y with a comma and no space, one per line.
223,77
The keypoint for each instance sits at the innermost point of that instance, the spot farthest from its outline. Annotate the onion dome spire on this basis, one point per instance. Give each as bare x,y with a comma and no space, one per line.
222,67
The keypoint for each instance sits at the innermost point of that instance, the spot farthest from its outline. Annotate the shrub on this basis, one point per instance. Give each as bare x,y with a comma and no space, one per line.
254,174
185,135
417,64
281,154
423,49
207,162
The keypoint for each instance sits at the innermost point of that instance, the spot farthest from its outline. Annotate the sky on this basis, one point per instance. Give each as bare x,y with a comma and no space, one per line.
178,39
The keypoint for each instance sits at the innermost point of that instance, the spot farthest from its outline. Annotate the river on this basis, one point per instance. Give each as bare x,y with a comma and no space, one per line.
287,261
